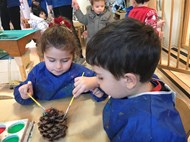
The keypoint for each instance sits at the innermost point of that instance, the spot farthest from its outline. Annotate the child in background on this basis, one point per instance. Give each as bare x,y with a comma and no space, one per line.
53,78
145,14
97,17
140,108
38,20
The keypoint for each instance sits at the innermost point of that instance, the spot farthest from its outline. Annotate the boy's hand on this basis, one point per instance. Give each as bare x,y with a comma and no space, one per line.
83,84
75,4
25,89
98,93
160,23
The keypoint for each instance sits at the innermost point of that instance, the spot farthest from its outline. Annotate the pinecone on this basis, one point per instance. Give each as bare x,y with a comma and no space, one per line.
52,125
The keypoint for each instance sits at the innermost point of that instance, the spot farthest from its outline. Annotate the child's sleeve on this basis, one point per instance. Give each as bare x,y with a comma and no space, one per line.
152,19
31,77
108,17
81,17
111,19
99,99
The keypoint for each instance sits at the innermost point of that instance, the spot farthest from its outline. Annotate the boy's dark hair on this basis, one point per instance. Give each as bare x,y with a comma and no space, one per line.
125,46
141,1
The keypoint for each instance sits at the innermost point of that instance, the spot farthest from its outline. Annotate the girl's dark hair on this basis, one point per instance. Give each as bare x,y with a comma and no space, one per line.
59,37
125,46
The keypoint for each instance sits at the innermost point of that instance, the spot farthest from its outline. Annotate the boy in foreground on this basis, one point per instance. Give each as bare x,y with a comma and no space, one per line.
124,56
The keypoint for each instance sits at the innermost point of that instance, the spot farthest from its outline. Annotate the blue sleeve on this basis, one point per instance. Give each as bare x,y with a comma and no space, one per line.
128,9
17,96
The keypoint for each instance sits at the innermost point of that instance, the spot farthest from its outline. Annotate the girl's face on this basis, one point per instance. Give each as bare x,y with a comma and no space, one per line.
108,83
98,6
57,61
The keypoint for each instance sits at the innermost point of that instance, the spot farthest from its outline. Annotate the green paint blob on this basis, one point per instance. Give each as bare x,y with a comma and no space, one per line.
16,127
11,138
2,128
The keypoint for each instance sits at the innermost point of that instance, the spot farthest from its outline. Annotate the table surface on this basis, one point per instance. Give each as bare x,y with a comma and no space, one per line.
84,118
14,41
15,34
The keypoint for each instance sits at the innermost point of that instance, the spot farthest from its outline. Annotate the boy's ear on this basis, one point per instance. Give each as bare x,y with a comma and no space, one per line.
130,80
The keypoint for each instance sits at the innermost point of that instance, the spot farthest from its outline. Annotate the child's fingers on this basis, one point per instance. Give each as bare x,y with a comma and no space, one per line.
23,91
79,89
97,92
76,92
76,81
30,88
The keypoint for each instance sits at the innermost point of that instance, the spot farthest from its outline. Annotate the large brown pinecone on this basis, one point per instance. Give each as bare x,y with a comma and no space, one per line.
52,124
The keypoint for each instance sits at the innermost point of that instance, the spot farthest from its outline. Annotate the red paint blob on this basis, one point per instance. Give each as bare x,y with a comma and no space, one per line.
2,129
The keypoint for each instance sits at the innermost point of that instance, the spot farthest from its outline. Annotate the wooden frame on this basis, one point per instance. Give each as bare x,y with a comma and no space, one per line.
186,23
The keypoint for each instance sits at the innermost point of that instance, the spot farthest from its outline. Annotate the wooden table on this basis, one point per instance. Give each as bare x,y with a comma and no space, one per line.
84,118
14,42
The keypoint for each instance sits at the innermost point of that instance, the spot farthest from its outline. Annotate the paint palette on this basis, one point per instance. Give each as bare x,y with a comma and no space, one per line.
16,131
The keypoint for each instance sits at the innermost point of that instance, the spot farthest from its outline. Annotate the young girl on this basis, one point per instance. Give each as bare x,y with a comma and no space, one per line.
97,17
53,78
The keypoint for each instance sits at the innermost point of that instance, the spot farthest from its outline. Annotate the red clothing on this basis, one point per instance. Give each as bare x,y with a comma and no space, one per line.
145,14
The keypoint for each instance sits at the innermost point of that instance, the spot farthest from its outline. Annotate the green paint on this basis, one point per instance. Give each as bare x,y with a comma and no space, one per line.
12,138
15,127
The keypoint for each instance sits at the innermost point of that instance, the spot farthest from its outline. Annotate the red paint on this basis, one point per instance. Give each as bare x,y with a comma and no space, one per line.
2,129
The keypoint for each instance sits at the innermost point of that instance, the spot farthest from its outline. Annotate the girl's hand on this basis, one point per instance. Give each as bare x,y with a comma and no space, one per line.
84,84
25,89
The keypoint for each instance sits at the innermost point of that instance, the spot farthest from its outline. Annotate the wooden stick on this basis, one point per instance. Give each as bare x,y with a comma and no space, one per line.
70,103
36,102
